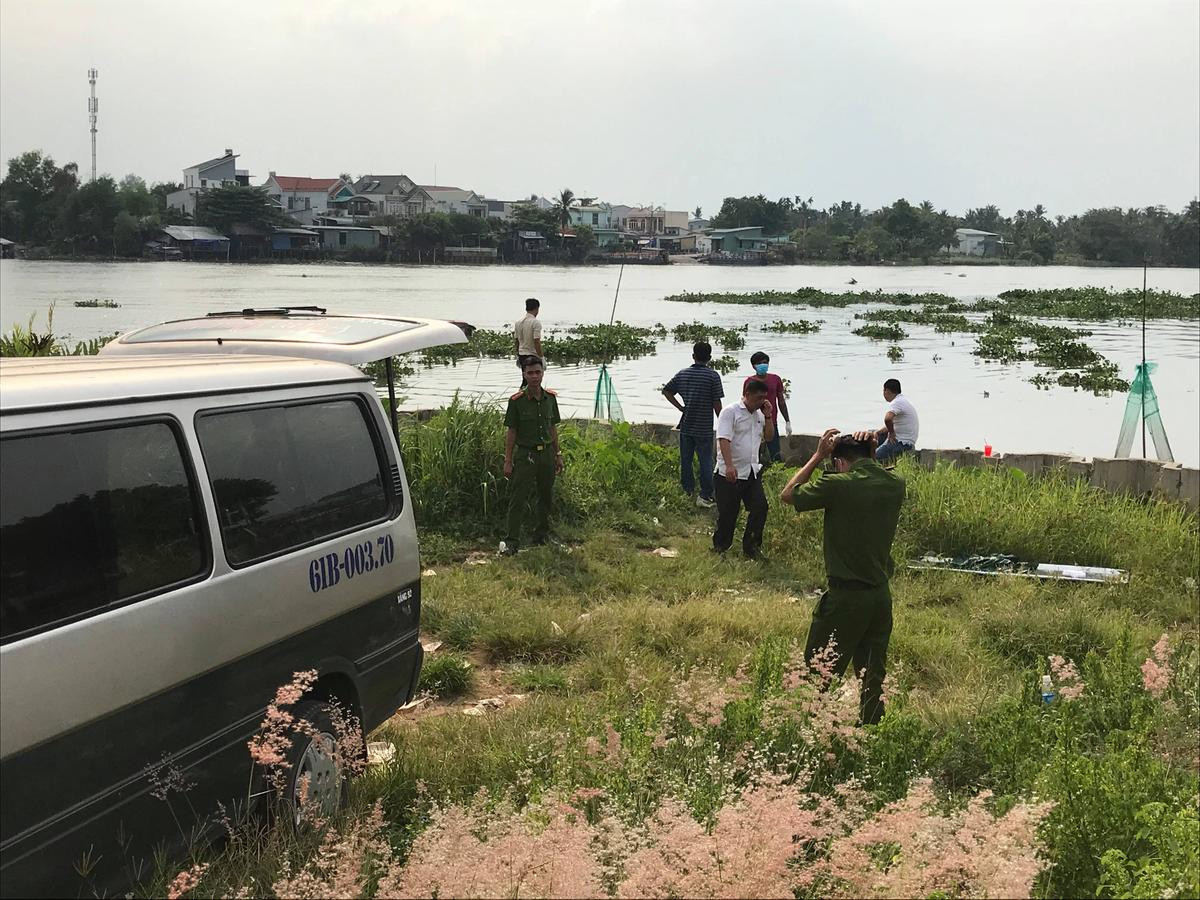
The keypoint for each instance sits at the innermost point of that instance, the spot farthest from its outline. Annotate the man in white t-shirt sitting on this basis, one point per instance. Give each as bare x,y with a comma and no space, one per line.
741,429
899,432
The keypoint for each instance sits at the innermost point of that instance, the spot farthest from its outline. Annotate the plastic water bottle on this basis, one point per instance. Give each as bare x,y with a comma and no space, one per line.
1047,690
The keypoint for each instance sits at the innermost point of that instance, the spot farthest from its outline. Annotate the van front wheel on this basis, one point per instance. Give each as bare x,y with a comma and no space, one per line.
317,785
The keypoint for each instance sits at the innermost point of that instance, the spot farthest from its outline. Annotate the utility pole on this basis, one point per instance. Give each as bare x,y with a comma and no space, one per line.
93,108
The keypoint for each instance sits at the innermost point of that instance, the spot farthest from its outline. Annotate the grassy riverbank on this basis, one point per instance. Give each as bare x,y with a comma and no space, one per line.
656,737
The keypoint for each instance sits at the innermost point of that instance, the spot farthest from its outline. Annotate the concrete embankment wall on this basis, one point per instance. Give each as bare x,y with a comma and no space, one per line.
1138,477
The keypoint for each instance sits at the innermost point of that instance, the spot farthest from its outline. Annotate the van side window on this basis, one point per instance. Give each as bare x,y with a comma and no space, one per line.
91,518
287,476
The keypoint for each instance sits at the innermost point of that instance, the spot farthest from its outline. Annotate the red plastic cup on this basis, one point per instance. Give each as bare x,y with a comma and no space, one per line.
987,449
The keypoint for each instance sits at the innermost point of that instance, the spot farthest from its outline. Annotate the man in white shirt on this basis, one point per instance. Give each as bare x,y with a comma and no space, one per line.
527,335
741,429
899,432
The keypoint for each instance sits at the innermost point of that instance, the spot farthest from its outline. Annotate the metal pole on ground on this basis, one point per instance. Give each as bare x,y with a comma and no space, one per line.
1145,380
391,380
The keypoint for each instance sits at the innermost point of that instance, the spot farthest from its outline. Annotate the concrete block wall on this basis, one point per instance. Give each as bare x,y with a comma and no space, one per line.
1139,477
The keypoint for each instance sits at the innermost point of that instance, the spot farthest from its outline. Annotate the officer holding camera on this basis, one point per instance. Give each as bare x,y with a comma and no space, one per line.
862,503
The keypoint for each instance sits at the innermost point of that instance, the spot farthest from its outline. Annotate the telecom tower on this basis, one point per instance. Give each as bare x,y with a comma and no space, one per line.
93,108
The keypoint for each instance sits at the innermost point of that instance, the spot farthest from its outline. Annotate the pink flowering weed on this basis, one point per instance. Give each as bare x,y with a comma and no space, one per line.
1066,677
1156,670
186,881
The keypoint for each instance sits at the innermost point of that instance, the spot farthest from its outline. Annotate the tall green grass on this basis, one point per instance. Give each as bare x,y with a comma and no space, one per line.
602,631
1053,518
455,466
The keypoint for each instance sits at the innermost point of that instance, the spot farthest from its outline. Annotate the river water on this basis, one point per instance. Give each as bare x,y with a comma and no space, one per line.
835,376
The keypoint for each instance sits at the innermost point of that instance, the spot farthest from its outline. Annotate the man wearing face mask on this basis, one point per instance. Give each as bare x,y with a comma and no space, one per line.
777,398
862,503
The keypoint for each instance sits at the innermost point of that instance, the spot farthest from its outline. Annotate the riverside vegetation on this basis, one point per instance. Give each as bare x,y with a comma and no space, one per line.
1006,335
1004,329
669,742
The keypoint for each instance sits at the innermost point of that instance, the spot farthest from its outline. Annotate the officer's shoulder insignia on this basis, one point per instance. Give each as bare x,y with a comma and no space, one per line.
550,392
517,396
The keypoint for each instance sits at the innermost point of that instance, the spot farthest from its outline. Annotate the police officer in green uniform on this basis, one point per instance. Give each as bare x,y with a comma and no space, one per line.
862,507
531,455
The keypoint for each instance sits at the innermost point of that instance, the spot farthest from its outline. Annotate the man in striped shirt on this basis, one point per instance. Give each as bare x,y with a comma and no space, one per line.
699,386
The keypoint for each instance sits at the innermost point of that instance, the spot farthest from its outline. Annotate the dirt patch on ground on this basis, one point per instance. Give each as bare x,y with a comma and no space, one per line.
490,683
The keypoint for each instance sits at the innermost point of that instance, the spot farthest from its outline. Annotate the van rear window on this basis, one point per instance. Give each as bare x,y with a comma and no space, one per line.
92,518
290,475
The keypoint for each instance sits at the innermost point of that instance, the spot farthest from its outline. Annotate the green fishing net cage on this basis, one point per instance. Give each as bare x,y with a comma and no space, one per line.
608,405
1142,405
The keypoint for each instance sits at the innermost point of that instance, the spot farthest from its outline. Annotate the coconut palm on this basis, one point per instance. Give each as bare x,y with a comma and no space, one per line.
565,198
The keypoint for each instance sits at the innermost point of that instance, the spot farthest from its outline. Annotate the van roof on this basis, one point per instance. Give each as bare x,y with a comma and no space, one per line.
296,331
28,383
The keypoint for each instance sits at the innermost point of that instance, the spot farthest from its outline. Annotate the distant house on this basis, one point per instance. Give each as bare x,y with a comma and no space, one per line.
597,215
196,242
340,238
249,241
693,242
218,172
386,193
599,218
640,220
349,206
743,241
528,246
699,224
499,209
675,222
973,242
303,198
285,240
455,200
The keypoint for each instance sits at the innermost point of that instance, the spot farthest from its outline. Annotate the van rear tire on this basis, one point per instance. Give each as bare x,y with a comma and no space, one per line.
317,783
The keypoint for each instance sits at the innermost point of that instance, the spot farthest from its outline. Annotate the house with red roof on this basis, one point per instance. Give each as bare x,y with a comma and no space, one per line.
301,197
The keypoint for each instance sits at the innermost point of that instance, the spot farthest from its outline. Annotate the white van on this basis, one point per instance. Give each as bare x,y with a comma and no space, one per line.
185,521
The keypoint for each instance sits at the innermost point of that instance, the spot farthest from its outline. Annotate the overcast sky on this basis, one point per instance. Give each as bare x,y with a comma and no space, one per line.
1013,102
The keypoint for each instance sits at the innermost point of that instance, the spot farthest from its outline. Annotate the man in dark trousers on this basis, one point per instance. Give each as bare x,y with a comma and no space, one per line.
862,506
531,456
741,429
527,336
700,387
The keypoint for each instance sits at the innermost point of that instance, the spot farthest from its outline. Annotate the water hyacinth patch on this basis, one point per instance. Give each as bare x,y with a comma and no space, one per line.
1100,304
809,296
579,344
884,332
725,364
727,338
796,326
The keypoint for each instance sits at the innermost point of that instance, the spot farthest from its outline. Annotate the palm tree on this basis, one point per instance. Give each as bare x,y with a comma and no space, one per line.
565,198
696,214
804,208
